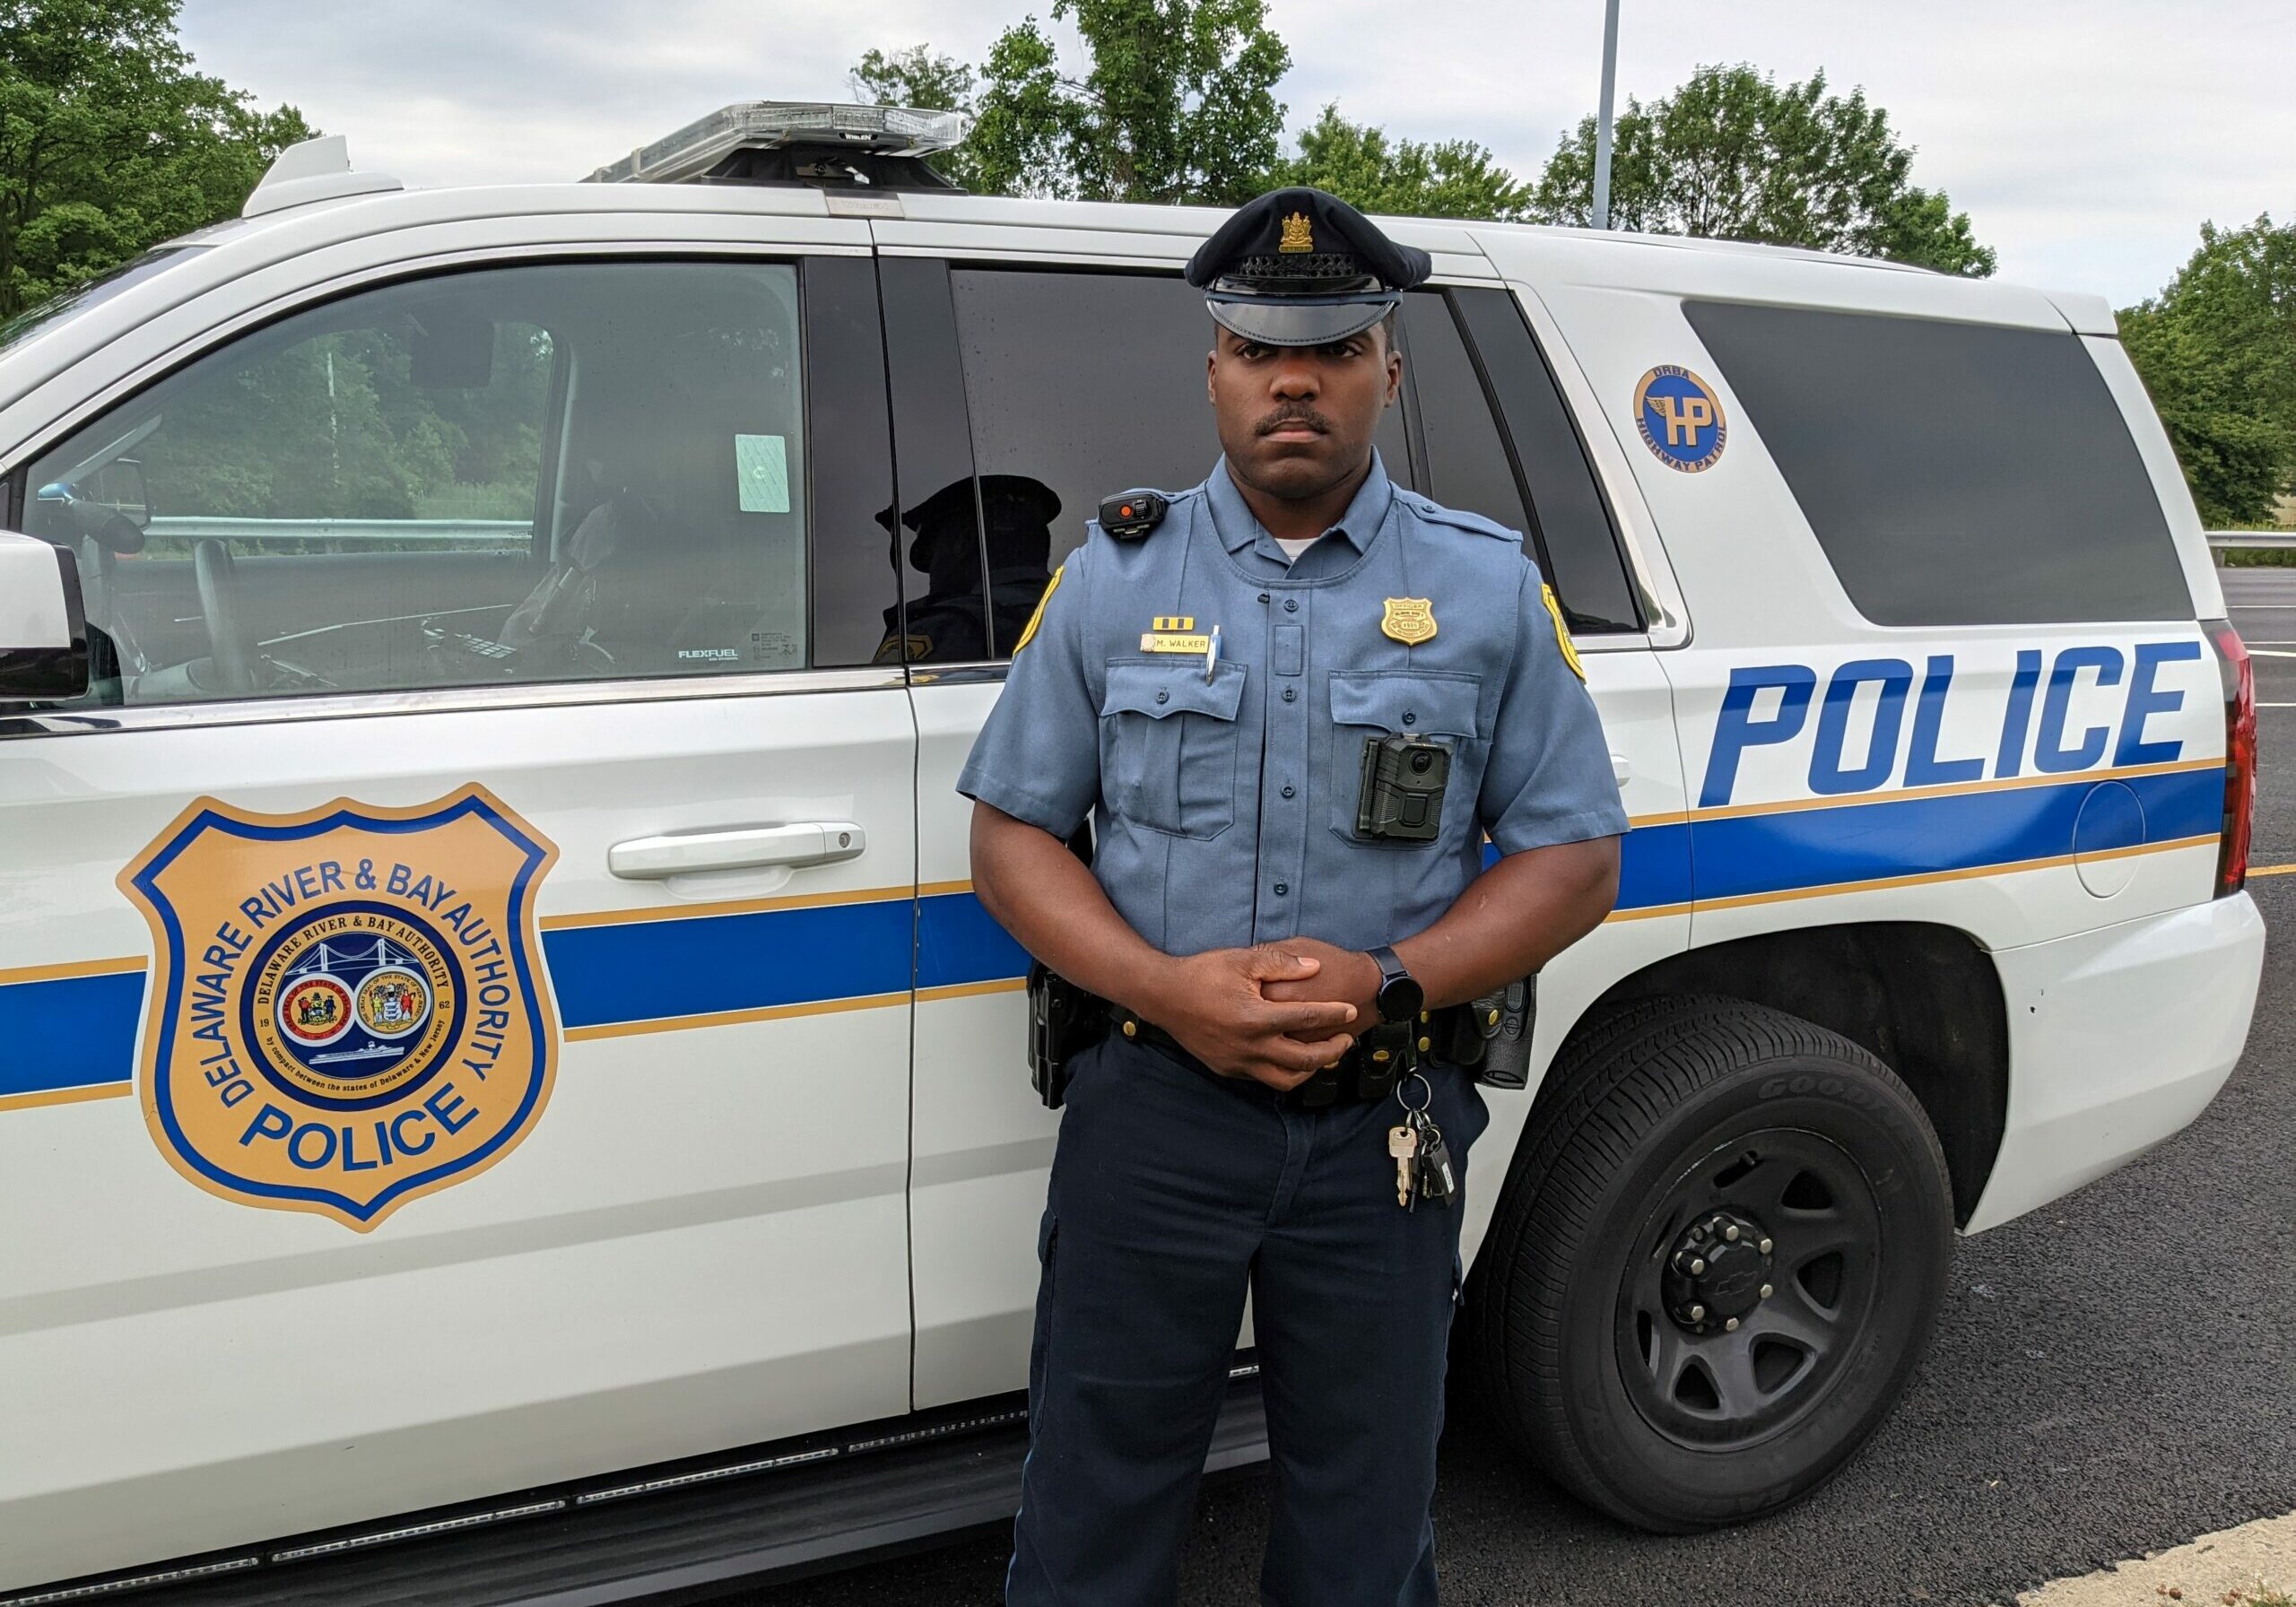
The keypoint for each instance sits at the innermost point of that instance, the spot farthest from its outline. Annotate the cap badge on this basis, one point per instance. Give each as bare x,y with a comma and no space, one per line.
1410,621
1297,235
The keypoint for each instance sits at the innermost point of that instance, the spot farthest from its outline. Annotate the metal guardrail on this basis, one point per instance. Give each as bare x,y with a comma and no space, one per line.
492,533
2231,541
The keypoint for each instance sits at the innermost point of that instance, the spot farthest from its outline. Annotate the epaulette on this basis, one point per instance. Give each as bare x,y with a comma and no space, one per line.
1458,518
1130,515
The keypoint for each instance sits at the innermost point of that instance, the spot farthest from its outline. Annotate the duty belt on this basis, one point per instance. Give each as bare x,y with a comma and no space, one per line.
1368,1071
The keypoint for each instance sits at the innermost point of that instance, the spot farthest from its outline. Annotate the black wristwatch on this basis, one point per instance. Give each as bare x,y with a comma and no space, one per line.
1400,998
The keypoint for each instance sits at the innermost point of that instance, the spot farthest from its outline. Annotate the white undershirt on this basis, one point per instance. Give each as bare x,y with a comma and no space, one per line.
1293,546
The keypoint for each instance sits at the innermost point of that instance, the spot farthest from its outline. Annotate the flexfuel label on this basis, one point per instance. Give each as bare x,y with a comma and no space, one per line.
349,1008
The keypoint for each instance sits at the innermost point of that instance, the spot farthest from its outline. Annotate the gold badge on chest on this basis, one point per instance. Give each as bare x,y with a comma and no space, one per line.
1410,621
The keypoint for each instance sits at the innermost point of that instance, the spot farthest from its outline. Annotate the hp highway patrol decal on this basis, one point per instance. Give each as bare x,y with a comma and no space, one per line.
349,1008
1679,418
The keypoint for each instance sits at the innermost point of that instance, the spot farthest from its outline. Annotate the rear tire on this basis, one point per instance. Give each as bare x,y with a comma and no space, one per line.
1619,1319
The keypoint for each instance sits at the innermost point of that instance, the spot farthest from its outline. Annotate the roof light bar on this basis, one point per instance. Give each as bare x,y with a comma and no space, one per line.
766,125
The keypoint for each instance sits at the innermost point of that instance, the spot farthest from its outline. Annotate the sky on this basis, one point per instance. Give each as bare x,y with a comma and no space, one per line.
2087,139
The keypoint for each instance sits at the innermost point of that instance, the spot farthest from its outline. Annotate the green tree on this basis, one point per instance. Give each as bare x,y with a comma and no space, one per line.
1361,165
110,143
1175,103
1733,155
921,77
2217,349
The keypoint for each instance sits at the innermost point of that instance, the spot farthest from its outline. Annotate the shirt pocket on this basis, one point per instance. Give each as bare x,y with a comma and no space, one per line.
1434,705
1168,745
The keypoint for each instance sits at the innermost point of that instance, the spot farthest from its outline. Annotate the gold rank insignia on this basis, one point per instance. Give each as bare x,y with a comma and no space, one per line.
1410,621
1297,235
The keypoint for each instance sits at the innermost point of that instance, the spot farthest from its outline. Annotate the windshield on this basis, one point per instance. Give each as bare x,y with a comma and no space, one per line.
72,303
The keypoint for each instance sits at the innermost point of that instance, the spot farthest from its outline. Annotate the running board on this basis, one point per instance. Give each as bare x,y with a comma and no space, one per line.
679,1533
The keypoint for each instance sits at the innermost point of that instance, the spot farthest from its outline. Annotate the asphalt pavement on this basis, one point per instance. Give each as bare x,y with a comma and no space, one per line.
2114,1374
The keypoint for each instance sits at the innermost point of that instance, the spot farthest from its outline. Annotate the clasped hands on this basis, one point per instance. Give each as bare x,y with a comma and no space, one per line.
1276,1013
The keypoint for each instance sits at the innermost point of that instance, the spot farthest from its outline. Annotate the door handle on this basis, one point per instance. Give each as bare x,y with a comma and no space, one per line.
1620,770
690,853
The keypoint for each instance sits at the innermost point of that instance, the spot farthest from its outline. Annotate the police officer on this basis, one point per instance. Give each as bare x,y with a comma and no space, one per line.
1294,699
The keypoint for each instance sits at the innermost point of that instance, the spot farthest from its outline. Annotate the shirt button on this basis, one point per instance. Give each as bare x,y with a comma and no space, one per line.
1290,605
1167,697
1287,789
1409,718
1291,692
1281,887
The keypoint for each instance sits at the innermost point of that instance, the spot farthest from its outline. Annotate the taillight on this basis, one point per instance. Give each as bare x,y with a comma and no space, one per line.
2238,673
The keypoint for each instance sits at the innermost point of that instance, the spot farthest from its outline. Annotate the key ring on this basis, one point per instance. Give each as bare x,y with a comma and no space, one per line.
1420,1109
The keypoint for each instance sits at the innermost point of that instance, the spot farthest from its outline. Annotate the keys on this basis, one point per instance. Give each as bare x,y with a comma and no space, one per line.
1432,1164
1403,1144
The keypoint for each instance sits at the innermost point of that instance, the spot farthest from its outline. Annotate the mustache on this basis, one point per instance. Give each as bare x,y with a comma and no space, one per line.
1285,418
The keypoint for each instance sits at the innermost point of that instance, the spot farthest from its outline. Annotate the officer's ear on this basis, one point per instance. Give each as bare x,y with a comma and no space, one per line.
1394,356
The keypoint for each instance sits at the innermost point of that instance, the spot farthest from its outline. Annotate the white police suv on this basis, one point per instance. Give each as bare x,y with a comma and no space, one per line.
505,1089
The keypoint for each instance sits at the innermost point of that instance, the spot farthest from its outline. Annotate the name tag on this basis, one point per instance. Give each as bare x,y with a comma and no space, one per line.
1175,641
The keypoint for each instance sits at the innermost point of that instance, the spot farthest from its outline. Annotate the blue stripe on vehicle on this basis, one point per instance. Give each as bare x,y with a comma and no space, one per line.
959,942
68,1032
1793,850
708,965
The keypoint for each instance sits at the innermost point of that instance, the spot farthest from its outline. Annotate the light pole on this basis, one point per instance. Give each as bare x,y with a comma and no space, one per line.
1603,117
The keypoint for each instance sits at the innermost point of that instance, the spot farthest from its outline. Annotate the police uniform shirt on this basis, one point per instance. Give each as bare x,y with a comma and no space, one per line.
1226,805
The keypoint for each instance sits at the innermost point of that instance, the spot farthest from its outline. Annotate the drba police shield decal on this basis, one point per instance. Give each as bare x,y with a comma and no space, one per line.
349,1008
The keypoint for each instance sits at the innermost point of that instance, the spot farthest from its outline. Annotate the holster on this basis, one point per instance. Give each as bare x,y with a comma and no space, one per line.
1491,1037
1064,1021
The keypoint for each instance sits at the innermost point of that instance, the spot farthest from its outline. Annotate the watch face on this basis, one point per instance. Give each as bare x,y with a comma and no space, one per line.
1400,998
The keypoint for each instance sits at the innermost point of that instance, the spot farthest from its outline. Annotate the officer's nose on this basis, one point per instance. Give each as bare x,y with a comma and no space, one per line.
1295,379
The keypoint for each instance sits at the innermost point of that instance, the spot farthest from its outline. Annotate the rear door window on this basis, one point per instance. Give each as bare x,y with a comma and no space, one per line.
1078,386
1500,442
1954,474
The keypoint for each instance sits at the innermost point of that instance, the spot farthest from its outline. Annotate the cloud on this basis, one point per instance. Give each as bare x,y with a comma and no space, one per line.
2088,139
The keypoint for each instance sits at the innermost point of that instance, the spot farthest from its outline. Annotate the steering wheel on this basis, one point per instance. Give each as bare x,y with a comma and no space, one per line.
232,644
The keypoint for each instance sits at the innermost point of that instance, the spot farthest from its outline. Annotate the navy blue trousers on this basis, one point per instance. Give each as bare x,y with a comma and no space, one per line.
1173,1192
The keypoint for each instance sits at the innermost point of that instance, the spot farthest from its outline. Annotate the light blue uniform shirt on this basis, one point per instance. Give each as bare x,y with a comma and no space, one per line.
1226,806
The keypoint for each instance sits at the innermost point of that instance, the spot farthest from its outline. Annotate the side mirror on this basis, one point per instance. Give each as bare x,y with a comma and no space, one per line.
43,630
118,528
117,488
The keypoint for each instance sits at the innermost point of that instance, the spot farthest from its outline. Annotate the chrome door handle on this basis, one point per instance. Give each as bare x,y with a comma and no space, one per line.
689,853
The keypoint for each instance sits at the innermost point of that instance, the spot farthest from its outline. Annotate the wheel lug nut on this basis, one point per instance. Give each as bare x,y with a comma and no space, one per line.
1697,1314
1765,1246
1697,1235
1697,1267
1767,1291
1731,1234
1730,1325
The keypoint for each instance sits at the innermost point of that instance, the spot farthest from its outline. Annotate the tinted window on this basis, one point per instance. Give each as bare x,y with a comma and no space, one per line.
1467,466
936,536
544,472
1080,385
1571,519
1954,473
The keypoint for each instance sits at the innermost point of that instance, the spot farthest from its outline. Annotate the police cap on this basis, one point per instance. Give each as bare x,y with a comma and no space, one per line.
1299,267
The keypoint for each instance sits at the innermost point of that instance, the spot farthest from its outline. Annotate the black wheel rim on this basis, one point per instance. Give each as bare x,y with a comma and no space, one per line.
1712,1363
